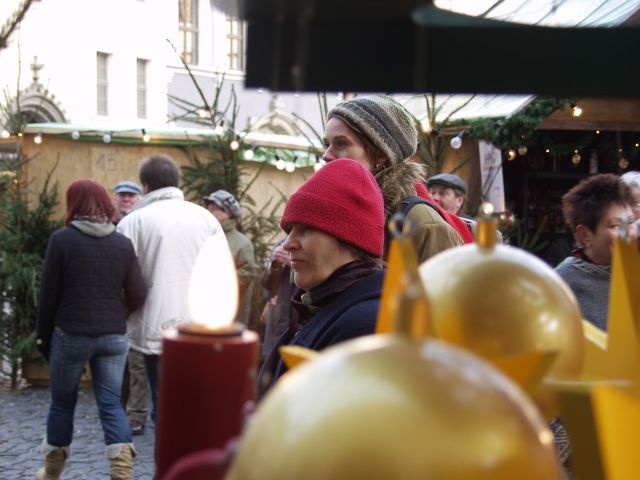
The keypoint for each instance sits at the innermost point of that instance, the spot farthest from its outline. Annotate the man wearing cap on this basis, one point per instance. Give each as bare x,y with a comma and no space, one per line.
448,190
125,195
224,206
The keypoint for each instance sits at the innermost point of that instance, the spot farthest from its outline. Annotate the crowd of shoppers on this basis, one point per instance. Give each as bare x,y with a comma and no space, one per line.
116,276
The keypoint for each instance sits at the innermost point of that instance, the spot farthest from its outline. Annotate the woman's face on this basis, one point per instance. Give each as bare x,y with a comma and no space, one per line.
635,206
341,141
314,255
598,245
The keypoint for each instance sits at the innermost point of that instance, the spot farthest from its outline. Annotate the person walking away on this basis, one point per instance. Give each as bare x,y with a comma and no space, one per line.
224,206
168,234
91,282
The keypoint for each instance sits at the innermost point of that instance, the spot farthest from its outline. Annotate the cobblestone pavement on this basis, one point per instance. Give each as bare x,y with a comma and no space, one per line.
23,415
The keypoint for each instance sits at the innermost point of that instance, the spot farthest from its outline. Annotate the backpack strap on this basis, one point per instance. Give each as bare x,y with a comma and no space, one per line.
405,206
409,202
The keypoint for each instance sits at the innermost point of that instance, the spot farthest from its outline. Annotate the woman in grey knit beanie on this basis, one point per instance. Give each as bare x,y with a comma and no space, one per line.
378,132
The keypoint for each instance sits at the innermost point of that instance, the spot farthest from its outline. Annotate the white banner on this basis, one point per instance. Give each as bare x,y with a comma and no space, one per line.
491,174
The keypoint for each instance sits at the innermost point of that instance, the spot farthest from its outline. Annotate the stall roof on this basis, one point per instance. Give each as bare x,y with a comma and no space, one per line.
167,135
553,13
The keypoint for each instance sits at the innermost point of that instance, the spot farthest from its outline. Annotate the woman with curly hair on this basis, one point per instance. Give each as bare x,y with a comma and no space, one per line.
597,210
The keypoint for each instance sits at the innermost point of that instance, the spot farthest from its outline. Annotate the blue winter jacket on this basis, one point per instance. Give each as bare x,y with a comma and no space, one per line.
352,314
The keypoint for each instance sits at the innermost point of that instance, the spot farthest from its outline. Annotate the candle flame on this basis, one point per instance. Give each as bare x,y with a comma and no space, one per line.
213,287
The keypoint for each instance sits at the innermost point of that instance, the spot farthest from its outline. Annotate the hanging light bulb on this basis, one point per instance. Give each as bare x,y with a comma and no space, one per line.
576,111
5,133
623,163
234,145
202,113
106,138
456,142
522,150
290,165
38,138
75,135
249,154
280,164
425,125
219,128
145,136
511,154
575,159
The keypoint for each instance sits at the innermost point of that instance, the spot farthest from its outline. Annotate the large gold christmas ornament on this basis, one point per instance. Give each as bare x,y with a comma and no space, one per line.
501,302
387,407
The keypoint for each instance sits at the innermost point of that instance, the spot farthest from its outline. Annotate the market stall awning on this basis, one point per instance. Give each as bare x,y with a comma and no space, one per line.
414,46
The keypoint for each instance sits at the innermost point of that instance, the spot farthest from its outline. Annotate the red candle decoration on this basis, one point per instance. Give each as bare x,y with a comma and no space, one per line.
208,367
207,384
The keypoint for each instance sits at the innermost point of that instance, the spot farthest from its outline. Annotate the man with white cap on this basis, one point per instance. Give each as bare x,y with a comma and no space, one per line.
125,195
224,206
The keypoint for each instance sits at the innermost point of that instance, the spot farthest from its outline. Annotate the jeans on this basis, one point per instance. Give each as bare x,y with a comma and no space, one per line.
106,355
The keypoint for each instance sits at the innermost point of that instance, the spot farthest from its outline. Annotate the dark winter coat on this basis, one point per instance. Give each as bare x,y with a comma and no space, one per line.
352,314
89,284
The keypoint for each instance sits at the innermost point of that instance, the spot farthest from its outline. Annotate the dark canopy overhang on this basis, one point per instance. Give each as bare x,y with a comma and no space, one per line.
412,46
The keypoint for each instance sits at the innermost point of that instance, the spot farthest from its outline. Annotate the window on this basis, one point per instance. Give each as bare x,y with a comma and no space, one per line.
189,31
141,76
235,35
102,84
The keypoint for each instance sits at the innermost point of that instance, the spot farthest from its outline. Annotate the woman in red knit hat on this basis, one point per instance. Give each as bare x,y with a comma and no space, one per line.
381,135
335,225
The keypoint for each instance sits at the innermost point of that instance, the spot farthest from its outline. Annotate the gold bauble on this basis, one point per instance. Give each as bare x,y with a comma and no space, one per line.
500,301
386,407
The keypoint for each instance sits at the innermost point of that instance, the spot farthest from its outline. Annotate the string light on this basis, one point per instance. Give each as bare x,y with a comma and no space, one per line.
106,138
290,166
219,129
319,163
6,134
249,154
511,154
425,125
202,113
575,159
576,111
456,142
75,135
522,150
280,164
38,138
234,145
145,136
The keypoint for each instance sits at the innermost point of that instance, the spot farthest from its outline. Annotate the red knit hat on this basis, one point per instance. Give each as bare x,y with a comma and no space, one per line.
341,199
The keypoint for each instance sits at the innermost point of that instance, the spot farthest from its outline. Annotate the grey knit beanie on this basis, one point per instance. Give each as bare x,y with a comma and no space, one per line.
383,121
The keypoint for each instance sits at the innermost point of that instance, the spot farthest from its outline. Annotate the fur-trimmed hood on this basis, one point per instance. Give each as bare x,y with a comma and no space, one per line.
397,181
